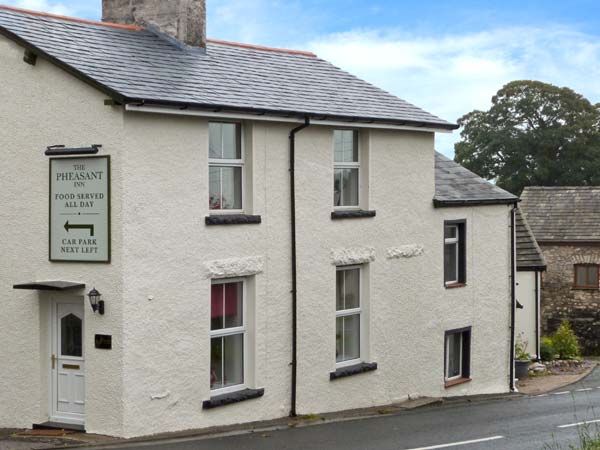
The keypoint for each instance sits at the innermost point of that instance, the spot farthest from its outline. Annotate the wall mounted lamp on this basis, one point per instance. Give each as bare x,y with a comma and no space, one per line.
96,301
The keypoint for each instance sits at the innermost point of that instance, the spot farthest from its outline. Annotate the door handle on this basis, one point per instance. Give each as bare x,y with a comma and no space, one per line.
53,361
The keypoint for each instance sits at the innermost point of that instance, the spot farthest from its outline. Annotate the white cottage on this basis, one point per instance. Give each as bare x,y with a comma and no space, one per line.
259,233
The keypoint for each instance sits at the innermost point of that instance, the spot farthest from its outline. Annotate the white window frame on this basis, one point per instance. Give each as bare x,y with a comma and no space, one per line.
351,312
453,241
348,165
230,332
215,162
460,364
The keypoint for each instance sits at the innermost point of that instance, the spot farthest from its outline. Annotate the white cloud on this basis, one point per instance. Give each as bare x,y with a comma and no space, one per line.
266,22
43,5
448,75
452,75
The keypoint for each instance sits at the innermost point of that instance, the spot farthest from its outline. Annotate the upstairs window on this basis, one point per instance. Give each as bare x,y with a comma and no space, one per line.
226,166
586,276
346,169
455,262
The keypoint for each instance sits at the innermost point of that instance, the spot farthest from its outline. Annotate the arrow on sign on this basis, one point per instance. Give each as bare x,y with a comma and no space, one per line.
69,226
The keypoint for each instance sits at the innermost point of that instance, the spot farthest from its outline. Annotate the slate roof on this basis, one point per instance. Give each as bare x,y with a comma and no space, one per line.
135,65
529,255
457,186
563,213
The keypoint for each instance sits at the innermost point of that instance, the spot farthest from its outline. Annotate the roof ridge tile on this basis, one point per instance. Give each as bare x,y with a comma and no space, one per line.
71,19
261,47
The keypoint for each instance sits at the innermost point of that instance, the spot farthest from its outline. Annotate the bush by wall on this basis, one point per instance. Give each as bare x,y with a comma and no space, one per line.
565,343
547,352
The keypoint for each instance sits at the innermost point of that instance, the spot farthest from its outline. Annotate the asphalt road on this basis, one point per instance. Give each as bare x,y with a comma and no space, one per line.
522,423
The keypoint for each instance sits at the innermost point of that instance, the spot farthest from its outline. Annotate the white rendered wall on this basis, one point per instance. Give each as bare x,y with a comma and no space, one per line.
409,307
158,285
526,318
42,106
170,254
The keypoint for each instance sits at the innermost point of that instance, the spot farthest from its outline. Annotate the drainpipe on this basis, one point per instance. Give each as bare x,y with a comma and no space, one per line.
512,296
537,314
294,271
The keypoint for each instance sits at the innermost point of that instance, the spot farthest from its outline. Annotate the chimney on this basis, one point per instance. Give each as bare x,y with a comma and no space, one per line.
185,20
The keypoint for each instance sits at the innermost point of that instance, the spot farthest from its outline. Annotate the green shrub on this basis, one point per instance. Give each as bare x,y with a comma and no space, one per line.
588,440
547,349
565,343
590,443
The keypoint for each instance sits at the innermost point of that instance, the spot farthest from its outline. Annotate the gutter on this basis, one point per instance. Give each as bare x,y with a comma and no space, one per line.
513,299
531,269
292,138
203,109
437,203
265,116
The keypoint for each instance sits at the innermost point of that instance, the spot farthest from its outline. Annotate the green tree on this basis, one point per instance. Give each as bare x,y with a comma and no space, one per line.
535,134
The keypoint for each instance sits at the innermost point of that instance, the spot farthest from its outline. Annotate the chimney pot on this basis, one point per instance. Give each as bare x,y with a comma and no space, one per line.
185,20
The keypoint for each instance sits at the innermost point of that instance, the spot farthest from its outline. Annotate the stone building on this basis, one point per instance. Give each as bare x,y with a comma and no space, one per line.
270,235
566,224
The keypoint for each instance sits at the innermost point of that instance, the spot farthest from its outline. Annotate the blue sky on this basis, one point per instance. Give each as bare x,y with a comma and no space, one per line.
448,57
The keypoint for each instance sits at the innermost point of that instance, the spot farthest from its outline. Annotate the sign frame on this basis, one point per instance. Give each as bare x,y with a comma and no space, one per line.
108,207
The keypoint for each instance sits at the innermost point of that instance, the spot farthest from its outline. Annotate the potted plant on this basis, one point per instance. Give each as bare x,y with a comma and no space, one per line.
522,358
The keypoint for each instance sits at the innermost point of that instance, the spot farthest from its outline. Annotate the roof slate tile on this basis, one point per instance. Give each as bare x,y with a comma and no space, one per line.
529,255
142,65
563,213
455,185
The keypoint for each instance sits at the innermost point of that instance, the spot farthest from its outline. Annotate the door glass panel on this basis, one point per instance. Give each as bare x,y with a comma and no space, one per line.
71,336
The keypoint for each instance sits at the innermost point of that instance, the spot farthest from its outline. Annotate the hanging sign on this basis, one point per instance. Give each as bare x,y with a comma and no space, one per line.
80,209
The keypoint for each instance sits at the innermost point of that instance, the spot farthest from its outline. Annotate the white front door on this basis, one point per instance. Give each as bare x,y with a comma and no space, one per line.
67,361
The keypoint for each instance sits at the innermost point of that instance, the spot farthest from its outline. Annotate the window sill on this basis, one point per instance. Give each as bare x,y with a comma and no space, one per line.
352,214
583,288
233,397
456,382
232,219
352,370
455,285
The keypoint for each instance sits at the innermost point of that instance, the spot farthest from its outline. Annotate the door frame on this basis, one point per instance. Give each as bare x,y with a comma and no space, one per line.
52,349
